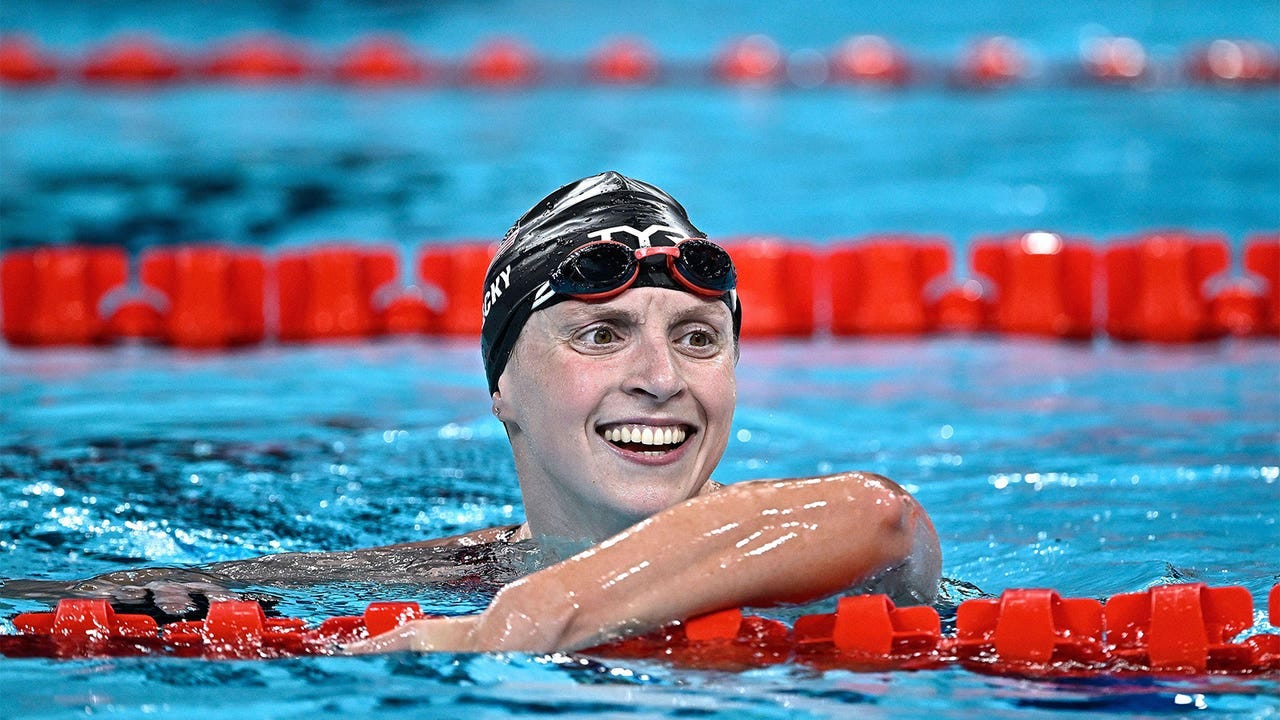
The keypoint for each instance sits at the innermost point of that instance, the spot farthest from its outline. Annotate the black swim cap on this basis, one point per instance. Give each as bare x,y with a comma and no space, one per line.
608,206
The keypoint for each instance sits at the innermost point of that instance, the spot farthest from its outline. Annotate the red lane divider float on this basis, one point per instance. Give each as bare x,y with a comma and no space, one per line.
1030,631
1181,627
1171,630
1168,286
1156,286
879,285
870,59
866,632
232,629
726,640
214,295
136,60
458,271
776,280
753,60
503,62
328,292
964,308
623,61
991,62
382,60
257,59
1262,259
23,63
1043,283
50,296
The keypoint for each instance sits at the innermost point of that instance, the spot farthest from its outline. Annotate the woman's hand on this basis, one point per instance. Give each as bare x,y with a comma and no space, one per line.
164,593
445,634
524,617
176,599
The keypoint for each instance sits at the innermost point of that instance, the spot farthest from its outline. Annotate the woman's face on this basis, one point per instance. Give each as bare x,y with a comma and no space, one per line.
618,409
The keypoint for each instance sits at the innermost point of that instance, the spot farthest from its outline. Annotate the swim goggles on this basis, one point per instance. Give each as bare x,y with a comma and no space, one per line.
604,268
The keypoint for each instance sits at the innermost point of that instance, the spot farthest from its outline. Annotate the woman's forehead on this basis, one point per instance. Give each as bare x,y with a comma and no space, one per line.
643,305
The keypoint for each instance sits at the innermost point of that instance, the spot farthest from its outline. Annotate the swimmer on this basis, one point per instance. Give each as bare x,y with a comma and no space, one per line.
610,341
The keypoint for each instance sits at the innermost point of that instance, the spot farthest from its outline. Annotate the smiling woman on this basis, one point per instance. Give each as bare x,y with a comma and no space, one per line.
613,373
596,366
610,342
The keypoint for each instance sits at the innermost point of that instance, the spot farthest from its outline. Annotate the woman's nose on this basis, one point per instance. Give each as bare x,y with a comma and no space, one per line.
655,369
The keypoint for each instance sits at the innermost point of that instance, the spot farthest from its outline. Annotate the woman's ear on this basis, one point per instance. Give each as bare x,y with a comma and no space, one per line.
501,409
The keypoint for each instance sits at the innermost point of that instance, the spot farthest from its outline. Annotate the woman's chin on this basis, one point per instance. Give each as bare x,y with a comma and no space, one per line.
641,505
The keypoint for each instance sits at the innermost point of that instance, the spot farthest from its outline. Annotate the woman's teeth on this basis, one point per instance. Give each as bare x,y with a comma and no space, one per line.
645,434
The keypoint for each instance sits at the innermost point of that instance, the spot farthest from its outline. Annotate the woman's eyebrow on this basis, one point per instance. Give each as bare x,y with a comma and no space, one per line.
585,313
590,312
710,314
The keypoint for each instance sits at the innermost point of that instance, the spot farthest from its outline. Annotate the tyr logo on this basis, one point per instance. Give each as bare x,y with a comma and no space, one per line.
675,234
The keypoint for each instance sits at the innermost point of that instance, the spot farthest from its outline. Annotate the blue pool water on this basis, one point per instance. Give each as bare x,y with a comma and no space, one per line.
1092,468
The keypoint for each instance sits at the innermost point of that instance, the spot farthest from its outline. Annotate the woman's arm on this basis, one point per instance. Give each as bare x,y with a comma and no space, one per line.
757,543
179,592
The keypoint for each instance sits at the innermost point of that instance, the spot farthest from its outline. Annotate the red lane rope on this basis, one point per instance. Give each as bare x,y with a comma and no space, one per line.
1165,286
1188,629
989,62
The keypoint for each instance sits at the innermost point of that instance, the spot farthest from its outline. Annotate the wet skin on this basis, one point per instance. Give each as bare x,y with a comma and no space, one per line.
755,543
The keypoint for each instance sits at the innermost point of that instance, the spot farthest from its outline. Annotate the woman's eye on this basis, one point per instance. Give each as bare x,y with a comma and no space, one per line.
600,338
700,341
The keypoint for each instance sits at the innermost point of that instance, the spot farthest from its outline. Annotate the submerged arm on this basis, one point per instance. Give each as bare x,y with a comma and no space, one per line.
758,543
180,592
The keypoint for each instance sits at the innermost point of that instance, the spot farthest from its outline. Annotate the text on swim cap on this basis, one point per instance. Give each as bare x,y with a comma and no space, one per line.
500,283
675,234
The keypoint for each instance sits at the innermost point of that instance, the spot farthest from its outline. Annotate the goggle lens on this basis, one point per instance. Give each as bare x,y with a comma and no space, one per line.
706,265
594,268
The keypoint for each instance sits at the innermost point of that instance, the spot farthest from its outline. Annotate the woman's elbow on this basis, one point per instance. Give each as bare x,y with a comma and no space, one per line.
913,562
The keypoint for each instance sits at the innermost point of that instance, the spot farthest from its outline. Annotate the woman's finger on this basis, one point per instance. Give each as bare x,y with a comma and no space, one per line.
401,639
446,634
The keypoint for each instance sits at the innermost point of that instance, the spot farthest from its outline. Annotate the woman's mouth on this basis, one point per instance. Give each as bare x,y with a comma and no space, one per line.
646,439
